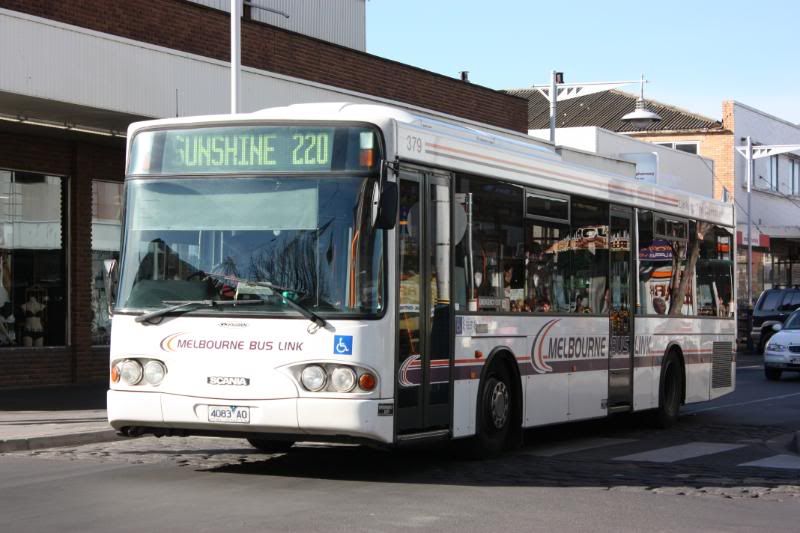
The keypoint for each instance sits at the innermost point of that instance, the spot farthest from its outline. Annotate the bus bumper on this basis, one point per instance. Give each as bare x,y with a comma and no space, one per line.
303,418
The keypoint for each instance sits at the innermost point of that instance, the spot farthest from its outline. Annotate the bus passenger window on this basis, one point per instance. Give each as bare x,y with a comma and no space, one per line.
714,273
495,212
545,268
588,247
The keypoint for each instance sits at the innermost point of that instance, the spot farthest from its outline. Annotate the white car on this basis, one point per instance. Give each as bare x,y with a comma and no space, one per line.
783,349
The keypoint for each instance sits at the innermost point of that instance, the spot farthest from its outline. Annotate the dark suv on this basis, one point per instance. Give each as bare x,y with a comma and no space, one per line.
773,306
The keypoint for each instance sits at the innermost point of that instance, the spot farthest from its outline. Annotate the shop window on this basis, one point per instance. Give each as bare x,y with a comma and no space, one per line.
106,223
33,301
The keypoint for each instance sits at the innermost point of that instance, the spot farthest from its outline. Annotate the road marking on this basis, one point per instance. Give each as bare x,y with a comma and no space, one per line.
573,446
782,396
673,454
756,367
791,462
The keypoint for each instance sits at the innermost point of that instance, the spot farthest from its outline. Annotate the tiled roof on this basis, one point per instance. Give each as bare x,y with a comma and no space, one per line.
606,109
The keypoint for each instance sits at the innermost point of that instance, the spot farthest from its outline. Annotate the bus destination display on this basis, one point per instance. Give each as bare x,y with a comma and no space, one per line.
240,149
237,149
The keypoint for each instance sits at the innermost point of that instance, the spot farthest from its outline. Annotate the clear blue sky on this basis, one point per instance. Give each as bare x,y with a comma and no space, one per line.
694,53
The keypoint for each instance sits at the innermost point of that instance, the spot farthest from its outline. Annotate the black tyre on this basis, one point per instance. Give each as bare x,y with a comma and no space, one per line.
495,414
270,446
670,392
772,374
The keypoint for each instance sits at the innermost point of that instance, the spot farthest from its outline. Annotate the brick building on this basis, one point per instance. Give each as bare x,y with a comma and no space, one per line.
75,73
776,180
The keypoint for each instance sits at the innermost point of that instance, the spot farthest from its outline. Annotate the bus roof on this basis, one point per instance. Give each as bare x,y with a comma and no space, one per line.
449,142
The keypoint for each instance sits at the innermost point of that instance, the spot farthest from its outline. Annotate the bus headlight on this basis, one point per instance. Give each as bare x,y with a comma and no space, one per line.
343,379
130,372
154,372
313,378
333,377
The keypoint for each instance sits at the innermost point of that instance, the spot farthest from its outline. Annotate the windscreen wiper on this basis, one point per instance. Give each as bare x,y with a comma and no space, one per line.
187,305
277,289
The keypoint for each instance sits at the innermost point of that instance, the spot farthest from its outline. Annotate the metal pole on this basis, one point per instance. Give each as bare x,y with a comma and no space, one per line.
553,107
749,223
236,53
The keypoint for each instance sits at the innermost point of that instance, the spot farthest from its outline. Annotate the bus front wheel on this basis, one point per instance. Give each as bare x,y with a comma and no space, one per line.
270,446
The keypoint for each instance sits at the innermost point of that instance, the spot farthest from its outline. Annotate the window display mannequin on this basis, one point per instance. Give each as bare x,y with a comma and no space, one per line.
33,329
7,334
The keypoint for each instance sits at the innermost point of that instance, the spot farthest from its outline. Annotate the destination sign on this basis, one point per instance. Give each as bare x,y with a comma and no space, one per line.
247,149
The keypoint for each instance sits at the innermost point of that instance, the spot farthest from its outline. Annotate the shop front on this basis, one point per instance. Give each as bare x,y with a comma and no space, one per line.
60,210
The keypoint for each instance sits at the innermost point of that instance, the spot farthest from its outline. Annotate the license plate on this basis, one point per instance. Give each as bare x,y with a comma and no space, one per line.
795,360
228,414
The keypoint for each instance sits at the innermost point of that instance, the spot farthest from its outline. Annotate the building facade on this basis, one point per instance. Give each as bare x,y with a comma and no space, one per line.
775,196
75,73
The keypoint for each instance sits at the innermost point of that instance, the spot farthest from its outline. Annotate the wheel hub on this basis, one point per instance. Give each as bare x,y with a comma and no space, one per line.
499,405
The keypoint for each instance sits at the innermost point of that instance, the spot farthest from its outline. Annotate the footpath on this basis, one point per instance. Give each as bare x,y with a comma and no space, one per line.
48,417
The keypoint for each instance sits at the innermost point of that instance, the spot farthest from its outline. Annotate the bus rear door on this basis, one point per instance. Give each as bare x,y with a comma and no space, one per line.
620,364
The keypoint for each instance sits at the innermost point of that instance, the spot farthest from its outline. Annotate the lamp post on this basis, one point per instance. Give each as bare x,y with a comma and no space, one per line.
236,47
751,153
558,91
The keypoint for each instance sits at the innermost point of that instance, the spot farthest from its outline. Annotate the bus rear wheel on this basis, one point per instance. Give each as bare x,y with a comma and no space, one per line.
270,446
495,413
670,392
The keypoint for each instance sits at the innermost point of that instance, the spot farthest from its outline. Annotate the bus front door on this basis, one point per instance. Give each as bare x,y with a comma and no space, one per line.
620,299
424,370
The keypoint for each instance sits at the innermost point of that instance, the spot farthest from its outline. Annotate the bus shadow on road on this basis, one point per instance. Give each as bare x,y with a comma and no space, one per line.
523,467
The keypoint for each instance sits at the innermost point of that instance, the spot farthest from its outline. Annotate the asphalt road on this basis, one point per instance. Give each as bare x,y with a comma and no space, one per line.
707,473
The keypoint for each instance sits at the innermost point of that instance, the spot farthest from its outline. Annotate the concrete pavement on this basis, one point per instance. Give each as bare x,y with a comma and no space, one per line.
48,417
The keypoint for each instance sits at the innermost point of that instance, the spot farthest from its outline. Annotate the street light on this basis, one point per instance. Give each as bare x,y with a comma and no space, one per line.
558,91
641,117
751,153
236,46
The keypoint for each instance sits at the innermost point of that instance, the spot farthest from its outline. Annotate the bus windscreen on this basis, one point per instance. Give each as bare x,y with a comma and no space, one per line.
262,148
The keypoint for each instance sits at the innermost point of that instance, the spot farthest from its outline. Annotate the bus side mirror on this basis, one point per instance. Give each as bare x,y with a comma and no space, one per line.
110,281
387,207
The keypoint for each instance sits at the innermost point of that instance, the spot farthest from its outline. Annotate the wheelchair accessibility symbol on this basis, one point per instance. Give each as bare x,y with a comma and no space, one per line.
343,344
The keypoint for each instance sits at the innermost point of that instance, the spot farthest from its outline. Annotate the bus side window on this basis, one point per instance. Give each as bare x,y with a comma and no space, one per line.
588,247
495,212
545,268
714,274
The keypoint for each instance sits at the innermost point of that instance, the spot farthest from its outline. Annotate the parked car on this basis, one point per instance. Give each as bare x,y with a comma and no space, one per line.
772,307
783,348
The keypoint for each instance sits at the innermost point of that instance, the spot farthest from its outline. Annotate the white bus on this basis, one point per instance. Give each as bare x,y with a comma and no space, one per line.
360,273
